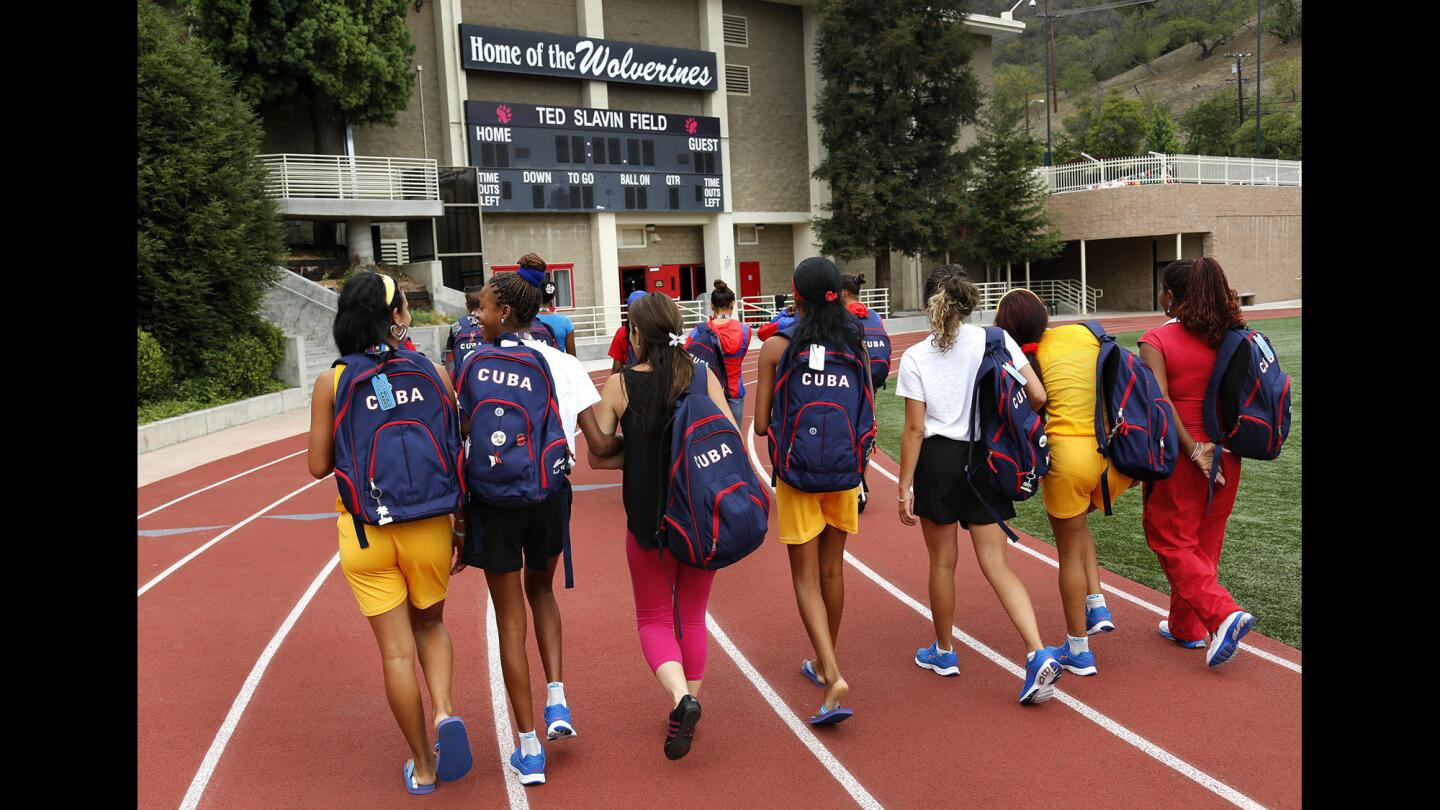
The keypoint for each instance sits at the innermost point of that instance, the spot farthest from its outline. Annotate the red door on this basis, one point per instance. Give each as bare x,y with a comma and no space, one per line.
749,279
663,279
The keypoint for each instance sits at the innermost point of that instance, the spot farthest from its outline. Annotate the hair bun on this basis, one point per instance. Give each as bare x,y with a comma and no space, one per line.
720,284
860,279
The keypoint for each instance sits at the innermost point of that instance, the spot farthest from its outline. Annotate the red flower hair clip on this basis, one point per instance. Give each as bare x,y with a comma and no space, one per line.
830,295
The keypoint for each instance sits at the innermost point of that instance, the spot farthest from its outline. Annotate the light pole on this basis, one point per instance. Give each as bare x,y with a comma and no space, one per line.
1258,28
1049,42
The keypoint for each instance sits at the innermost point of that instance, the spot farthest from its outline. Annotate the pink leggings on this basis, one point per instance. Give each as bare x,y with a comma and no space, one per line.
651,576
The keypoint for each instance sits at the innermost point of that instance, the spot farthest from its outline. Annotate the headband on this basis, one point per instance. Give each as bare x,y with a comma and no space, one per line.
534,276
389,287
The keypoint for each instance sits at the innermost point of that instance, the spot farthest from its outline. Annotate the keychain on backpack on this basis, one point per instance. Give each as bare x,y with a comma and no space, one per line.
384,392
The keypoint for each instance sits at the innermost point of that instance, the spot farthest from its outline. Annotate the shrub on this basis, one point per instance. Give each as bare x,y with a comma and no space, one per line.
242,369
153,372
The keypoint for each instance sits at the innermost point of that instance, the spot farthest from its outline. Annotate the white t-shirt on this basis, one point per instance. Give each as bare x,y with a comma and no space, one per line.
945,382
574,390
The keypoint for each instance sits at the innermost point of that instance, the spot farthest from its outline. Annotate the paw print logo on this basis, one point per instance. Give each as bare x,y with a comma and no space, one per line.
503,113
691,125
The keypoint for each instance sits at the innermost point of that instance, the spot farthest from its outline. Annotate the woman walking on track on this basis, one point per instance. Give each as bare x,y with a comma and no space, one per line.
622,350
505,530
1064,360
1186,537
937,380
822,388
397,567
734,337
641,400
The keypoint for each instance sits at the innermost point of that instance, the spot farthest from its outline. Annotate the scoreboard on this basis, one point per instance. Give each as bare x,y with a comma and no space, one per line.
538,157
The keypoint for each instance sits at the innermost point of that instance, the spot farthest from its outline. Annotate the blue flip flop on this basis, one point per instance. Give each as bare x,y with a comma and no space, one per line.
831,717
808,670
410,786
452,749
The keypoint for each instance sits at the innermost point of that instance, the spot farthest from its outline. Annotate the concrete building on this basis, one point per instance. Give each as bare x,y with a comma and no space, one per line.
758,101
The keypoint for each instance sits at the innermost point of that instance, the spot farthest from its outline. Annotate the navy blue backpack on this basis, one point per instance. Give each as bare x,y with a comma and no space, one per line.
715,512
398,454
1005,429
516,454
539,330
1247,403
877,345
1134,426
468,339
822,422
704,345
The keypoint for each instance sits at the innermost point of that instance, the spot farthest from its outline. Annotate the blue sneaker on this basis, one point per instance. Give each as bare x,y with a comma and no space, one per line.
557,722
1189,645
1098,620
1041,672
1078,663
941,663
1227,638
531,770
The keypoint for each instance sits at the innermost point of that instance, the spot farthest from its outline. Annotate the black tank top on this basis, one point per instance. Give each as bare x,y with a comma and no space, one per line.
643,485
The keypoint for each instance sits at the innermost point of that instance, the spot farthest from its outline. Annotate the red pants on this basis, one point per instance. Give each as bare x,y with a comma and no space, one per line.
1188,543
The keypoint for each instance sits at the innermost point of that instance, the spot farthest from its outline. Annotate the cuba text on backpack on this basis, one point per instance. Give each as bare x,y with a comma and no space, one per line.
1134,426
398,454
715,512
1008,448
516,453
822,420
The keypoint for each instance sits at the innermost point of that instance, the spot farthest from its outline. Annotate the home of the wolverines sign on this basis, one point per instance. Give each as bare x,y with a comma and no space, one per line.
634,144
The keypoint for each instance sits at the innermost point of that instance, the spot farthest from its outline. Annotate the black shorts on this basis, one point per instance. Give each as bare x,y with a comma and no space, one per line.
942,495
499,538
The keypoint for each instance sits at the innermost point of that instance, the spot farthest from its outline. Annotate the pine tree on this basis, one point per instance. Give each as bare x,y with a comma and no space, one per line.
1008,220
208,238
898,87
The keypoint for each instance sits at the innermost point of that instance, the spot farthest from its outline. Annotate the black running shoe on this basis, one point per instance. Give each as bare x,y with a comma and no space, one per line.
682,727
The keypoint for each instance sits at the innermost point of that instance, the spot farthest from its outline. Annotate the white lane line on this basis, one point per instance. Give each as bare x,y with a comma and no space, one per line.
218,483
807,737
1129,597
217,538
242,700
1154,751
500,708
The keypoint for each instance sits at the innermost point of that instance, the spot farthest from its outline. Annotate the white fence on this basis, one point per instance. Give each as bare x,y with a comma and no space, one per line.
1062,295
1155,168
338,177
597,324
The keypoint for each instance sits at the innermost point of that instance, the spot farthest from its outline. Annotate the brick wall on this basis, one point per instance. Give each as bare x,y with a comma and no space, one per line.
404,139
769,157
679,244
555,237
776,256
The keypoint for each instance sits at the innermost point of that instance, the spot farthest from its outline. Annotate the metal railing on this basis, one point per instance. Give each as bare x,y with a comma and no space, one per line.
340,177
1063,295
757,310
1157,169
592,324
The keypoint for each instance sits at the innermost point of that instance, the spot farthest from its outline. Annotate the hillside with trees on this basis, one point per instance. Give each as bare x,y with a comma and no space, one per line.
1121,72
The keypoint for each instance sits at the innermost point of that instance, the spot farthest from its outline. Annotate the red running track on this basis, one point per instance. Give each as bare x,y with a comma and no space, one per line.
317,730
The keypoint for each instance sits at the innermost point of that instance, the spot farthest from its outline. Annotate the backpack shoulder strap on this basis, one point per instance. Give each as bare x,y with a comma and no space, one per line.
1096,329
1210,410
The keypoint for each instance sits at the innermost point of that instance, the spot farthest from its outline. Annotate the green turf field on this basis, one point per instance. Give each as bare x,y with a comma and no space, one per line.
1261,561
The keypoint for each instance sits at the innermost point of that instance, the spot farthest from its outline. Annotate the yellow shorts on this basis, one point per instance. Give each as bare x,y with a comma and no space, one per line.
803,515
404,560
1073,483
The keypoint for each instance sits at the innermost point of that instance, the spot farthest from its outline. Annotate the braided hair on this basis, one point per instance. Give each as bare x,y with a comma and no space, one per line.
521,296
1204,302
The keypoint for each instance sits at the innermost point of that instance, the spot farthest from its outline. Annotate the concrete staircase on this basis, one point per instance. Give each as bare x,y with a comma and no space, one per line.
301,307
